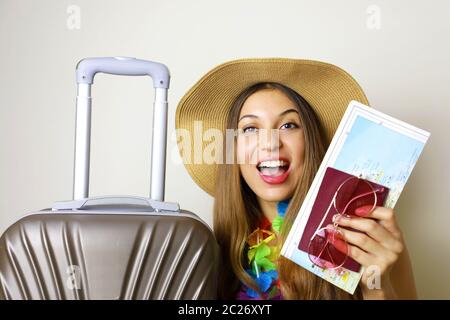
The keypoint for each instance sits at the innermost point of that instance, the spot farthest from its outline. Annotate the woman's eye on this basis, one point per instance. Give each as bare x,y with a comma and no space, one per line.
249,129
290,125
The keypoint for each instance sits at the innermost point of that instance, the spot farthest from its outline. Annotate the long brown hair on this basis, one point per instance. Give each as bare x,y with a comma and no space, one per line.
237,212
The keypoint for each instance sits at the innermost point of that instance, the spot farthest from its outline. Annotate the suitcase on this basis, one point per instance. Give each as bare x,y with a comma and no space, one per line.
112,247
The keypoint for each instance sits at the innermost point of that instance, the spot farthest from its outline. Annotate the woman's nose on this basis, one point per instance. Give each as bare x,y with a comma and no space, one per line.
269,140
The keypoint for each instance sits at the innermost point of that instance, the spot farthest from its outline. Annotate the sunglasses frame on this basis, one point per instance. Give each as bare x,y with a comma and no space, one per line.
334,229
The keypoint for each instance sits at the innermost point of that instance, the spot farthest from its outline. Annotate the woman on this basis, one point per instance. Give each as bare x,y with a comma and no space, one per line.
297,105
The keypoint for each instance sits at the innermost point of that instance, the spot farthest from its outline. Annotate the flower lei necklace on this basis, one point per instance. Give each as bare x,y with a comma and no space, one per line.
264,250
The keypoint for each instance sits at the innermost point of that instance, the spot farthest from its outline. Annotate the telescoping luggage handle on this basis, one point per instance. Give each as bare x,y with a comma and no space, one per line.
85,73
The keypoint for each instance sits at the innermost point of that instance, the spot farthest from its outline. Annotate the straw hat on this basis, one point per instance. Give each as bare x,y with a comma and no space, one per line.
327,88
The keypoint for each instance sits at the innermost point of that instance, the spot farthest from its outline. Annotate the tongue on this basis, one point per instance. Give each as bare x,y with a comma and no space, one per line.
274,172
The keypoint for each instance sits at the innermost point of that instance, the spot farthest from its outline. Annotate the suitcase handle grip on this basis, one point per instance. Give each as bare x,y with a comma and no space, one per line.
126,66
79,204
86,70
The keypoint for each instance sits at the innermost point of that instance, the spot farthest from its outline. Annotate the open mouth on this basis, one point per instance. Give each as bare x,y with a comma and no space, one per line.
274,171
273,168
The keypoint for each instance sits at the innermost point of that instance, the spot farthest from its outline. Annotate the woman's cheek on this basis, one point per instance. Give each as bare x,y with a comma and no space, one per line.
298,172
297,152
245,151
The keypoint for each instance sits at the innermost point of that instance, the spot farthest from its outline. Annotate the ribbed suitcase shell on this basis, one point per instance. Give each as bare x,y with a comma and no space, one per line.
51,255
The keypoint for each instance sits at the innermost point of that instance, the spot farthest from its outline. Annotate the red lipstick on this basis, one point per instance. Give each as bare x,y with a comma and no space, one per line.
275,179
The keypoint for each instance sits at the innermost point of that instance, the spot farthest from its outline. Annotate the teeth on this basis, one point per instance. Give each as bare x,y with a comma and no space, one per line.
273,164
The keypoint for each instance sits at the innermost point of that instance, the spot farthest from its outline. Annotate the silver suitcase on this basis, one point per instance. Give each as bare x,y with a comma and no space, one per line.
112,247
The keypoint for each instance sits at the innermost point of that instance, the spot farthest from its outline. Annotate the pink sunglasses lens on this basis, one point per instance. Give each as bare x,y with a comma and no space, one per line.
353,194
328,249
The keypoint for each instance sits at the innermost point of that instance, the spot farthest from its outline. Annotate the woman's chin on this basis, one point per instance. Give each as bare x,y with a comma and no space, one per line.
274,194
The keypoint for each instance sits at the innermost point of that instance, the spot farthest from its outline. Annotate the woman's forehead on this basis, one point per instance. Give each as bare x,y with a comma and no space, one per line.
267,103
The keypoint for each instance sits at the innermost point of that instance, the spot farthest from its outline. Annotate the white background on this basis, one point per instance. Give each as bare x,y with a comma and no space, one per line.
403,67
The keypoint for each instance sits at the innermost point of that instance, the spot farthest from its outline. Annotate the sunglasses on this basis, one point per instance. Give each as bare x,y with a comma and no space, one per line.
327,247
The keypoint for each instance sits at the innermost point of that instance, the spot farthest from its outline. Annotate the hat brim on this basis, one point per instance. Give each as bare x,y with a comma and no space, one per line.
326,87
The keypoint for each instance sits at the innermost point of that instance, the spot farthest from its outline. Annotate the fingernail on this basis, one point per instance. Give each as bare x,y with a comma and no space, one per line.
331,237
363,211
331,231
340,216
333,234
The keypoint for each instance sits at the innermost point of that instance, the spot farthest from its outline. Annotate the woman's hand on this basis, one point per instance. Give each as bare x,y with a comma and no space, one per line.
377,249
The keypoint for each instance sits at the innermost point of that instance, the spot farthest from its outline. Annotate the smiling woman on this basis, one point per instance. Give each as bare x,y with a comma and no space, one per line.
282,138
290,155
270,108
